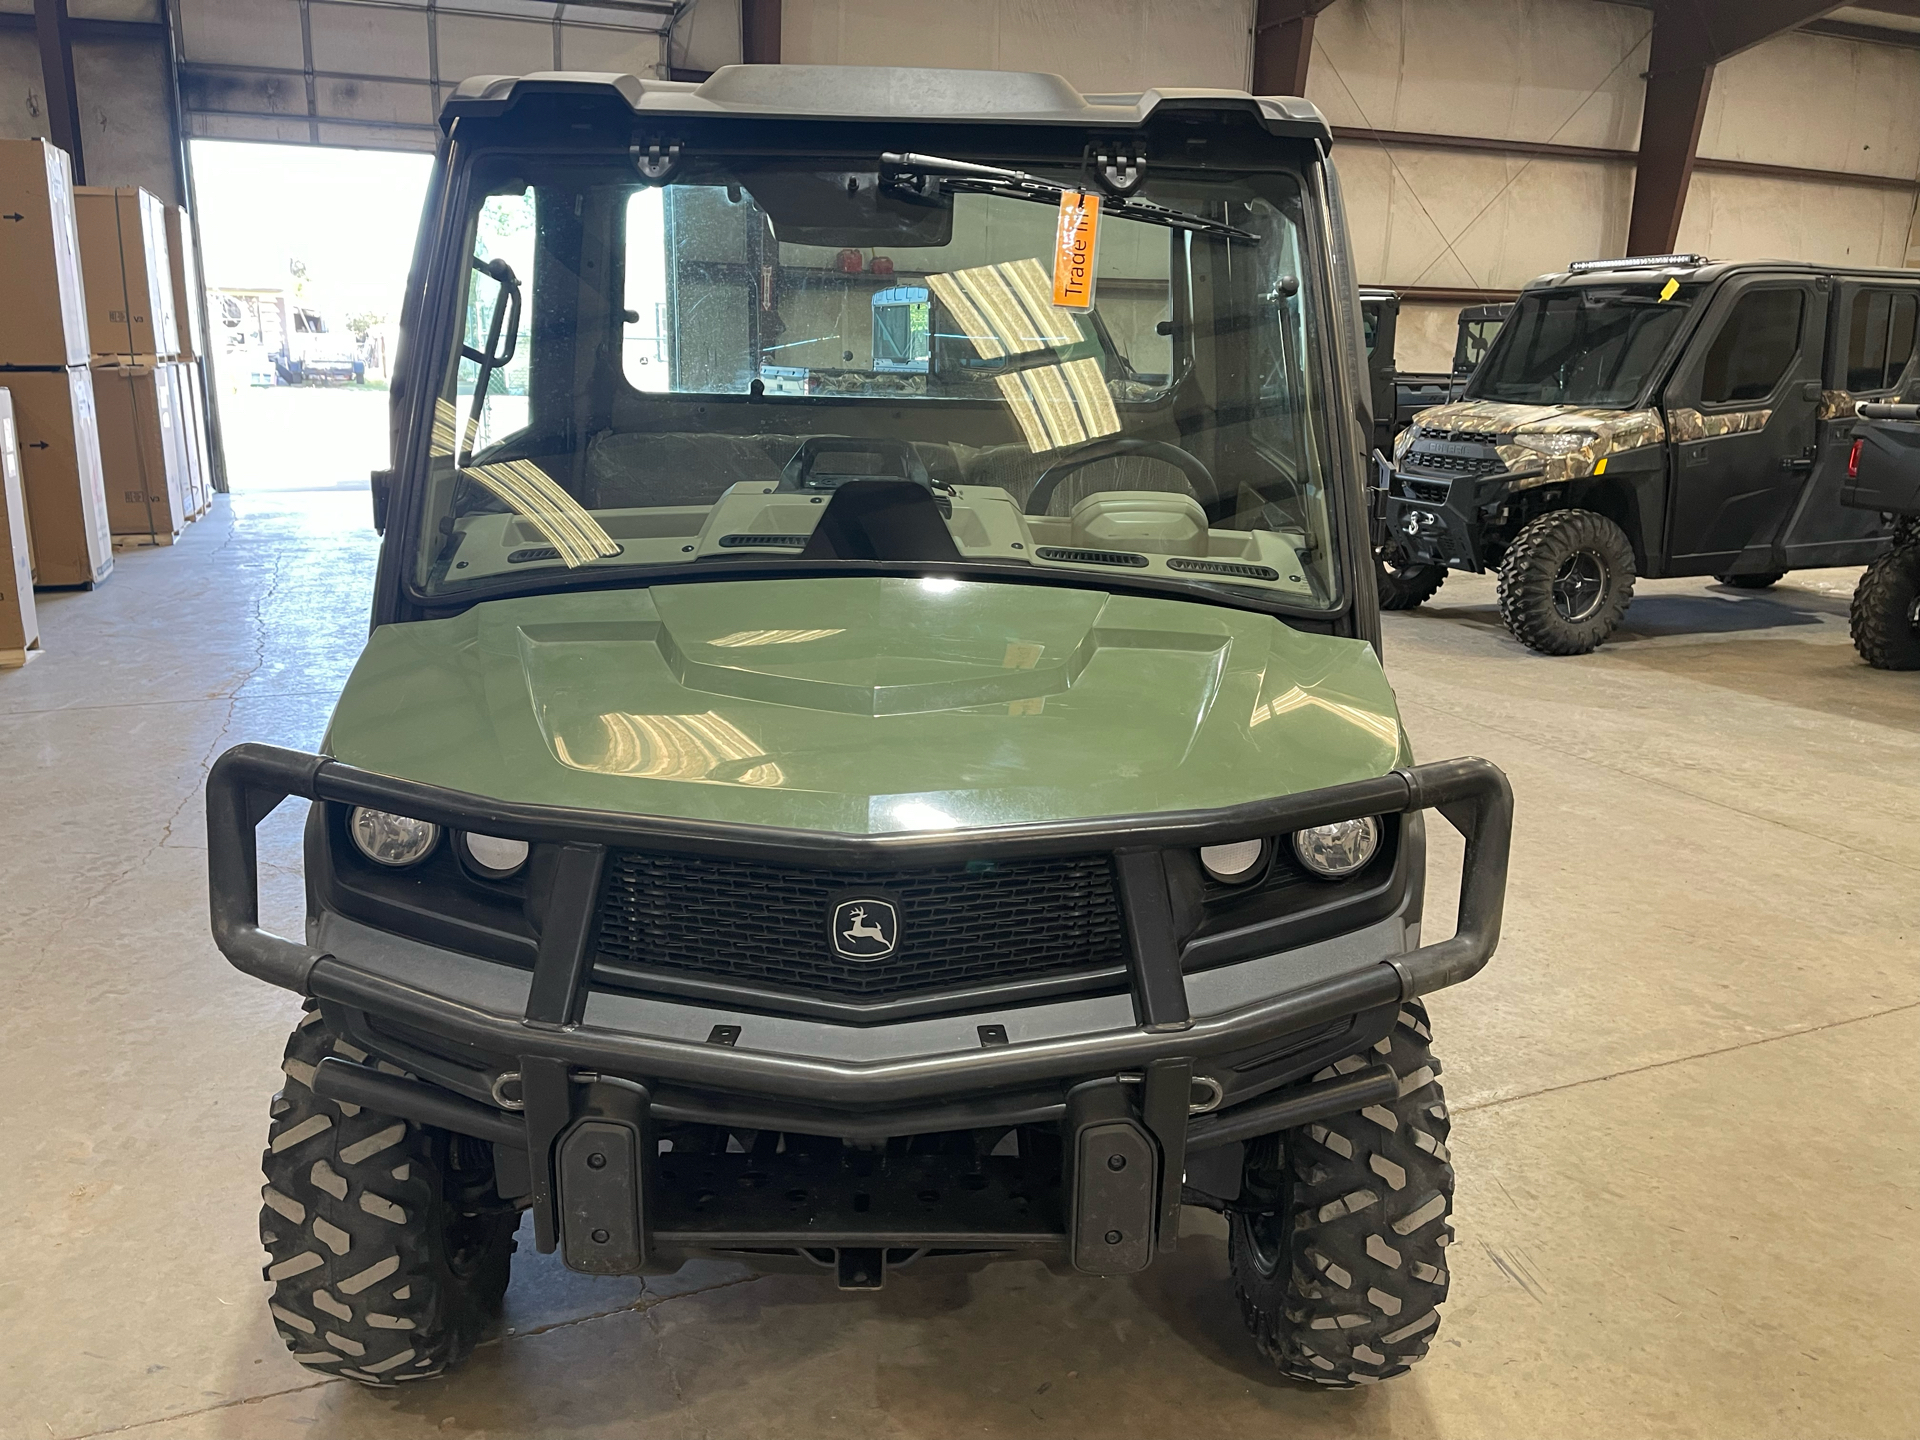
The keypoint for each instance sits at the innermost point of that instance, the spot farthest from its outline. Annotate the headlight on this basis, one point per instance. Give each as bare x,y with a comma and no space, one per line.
391,839
1555,442
1235,862
493,856
1331,851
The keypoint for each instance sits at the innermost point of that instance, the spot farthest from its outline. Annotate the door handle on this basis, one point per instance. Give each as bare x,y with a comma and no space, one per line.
1796,464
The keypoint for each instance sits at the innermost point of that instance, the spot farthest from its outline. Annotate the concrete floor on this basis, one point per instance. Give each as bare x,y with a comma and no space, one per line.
1683,1091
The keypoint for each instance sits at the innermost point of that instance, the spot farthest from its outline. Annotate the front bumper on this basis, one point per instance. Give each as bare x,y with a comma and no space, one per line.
1443,520
519,1056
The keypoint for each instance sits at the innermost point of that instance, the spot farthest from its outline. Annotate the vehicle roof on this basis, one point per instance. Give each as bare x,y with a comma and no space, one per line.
859,92
1709,273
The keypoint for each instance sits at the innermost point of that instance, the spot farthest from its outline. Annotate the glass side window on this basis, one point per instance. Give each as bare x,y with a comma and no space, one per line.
1880,338
497,314
1755,346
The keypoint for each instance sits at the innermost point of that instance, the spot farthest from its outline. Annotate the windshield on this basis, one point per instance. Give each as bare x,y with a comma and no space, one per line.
1594,347
718,369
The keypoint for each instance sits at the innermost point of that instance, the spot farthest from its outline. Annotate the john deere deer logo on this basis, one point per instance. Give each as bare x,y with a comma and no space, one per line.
865,929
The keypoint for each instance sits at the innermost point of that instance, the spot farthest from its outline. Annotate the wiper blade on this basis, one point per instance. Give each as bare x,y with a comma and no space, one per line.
965,176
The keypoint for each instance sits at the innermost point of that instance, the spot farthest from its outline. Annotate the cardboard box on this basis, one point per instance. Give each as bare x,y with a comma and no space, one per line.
44,320
129,277
190,426
60,461
141,453
186,283
19,628
199,433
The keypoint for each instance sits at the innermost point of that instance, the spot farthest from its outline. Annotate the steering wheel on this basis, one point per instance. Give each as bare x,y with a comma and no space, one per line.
1197,474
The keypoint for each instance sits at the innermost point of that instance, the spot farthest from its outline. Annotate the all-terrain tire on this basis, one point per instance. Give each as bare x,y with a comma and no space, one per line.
1885,616
1759,581
1404,584
1338,1243
1552,554
387,1247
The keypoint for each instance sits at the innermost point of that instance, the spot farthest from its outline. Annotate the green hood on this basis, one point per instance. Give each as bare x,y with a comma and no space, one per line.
866,705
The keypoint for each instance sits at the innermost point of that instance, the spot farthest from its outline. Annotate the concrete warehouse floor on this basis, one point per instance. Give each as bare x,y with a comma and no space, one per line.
1683,1091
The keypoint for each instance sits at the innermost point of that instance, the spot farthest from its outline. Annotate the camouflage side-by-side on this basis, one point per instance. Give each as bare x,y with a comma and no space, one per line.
1613,431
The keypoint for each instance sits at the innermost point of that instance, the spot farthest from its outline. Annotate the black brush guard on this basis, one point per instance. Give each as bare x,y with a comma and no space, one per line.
576,1112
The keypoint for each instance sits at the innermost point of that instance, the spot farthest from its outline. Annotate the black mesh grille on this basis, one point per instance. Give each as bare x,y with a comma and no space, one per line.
764,925
1434,492
1469,437
1418,459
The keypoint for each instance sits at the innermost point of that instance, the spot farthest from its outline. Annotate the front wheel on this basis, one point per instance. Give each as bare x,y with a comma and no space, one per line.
387,1247
1405,583
1566,581
1338,1241
1885,614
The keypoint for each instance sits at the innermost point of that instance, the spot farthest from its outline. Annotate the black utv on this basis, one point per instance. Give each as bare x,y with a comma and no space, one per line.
1661,416
1883,476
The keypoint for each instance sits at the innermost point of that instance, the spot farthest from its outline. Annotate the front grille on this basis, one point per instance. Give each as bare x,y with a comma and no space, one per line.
1464,437
1418,459
1433,492
762,925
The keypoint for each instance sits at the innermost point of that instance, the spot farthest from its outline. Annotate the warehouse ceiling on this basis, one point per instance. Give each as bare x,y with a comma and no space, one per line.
372,73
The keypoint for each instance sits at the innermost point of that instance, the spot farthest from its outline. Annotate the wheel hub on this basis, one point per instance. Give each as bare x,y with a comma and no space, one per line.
1579,586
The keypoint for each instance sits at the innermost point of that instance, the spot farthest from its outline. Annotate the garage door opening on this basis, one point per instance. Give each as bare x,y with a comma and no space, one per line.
305,255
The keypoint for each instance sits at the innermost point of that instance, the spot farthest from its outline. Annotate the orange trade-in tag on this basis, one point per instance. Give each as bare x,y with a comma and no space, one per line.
1076,249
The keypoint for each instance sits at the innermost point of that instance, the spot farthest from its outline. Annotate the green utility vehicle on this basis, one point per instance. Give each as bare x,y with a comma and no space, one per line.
1883,476
1657,416
852,782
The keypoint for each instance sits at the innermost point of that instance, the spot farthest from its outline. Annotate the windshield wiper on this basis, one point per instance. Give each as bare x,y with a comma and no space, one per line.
957,176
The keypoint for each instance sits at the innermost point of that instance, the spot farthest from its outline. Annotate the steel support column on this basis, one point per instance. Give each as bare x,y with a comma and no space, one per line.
1283,44
760,32
1690,37
1670,120
56,74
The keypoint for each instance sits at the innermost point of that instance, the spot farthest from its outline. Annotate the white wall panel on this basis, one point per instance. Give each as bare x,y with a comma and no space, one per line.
1745,217
1437,218
1818,102
372,73
628,52
1099,45
1565,71
367,40
472,46
241,32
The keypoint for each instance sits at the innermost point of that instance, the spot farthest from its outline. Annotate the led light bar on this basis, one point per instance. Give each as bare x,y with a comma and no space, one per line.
1638,262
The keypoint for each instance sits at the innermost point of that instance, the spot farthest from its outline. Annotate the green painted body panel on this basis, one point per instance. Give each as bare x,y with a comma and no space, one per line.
866,705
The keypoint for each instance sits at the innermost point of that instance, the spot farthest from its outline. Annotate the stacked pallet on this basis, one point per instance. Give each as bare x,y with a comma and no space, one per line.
44,368
137,257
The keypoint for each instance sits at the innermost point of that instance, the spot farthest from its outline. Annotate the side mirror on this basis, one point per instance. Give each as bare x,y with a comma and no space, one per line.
382,493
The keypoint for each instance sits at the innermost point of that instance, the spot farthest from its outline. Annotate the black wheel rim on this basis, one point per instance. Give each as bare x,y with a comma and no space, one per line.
1579,586
1266,1211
